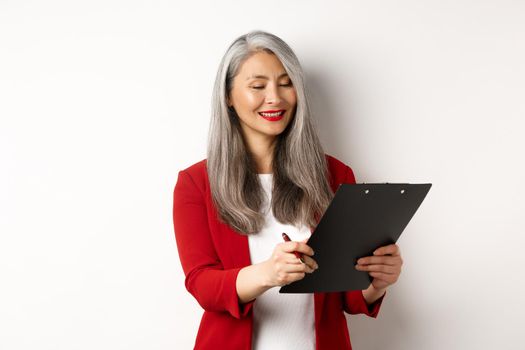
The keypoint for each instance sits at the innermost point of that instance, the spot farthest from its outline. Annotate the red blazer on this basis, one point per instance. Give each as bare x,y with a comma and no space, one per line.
212,253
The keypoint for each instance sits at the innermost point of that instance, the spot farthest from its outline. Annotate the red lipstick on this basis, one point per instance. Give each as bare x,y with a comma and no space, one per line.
275,117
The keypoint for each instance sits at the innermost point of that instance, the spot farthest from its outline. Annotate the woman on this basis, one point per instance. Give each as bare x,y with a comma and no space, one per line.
265,173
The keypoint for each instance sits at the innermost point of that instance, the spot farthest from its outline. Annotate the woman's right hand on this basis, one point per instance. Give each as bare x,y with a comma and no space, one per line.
283,267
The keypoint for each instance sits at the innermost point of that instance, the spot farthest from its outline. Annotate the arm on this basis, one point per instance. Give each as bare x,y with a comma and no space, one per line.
372,294
250,284
354,302
213,287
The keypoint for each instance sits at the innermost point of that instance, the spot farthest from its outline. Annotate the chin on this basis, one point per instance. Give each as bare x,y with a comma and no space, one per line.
275,131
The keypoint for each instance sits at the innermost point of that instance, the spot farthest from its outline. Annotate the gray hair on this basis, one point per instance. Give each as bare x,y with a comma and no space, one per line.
301,191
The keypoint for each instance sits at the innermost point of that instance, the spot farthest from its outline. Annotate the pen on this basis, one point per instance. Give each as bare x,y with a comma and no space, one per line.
297,254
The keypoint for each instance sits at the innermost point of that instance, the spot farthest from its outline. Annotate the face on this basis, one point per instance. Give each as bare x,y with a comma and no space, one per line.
263,96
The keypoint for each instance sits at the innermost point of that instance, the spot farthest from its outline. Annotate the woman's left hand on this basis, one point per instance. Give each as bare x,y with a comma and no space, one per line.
384,266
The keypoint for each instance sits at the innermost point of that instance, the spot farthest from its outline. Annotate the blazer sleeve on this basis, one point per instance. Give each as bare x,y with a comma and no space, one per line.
354,301
213,286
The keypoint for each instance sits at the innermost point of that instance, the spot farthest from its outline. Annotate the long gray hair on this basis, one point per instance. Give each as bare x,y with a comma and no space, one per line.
301,191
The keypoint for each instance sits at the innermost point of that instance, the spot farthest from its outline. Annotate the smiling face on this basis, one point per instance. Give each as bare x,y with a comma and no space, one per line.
262,85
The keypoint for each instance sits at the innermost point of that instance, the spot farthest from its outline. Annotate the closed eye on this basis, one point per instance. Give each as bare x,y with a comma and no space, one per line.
262,87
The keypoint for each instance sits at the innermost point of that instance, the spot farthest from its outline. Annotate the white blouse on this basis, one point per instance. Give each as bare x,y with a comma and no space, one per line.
281,321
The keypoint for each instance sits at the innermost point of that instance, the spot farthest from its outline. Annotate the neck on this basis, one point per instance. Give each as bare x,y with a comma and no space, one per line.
261,149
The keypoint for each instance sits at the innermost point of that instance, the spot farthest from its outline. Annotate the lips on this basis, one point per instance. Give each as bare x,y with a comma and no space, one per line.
273,111
273,115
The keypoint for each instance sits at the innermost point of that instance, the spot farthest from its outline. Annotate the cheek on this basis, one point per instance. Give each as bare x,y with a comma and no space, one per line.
250,100
291,97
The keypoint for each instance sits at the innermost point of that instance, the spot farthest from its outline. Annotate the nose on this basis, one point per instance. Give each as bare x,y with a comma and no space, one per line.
272,95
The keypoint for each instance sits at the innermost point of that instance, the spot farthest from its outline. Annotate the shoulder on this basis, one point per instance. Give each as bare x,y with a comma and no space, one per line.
195,174
339,171
334,163
196,169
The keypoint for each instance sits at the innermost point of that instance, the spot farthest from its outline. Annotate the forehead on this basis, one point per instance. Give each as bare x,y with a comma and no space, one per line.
262,65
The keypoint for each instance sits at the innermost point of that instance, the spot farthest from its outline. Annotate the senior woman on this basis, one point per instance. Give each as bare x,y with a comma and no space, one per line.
265,173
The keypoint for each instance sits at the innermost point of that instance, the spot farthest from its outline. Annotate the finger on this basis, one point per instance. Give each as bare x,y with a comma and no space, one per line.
378,268
310,262
292,259
295,268
308,269
384,277
386,260
297,247
280,256
391,249
292,277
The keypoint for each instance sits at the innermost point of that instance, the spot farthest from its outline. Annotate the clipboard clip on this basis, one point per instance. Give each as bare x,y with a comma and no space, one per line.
386,183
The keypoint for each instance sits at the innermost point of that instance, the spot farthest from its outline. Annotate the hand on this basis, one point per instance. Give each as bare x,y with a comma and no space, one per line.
283,267
384,266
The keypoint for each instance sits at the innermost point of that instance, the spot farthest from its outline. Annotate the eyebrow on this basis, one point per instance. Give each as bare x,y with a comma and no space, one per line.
265,77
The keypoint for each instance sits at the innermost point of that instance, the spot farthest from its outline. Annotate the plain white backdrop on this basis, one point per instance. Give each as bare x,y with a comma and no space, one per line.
103,102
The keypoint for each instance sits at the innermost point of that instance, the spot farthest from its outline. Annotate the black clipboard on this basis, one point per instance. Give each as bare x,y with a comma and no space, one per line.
360,219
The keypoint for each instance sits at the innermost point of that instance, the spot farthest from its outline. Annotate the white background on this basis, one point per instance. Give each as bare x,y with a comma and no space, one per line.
103,102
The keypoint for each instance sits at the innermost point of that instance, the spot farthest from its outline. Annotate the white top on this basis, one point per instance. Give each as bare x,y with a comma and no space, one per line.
281,321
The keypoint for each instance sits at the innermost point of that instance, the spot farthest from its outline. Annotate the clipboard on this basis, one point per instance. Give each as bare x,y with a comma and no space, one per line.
360,219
